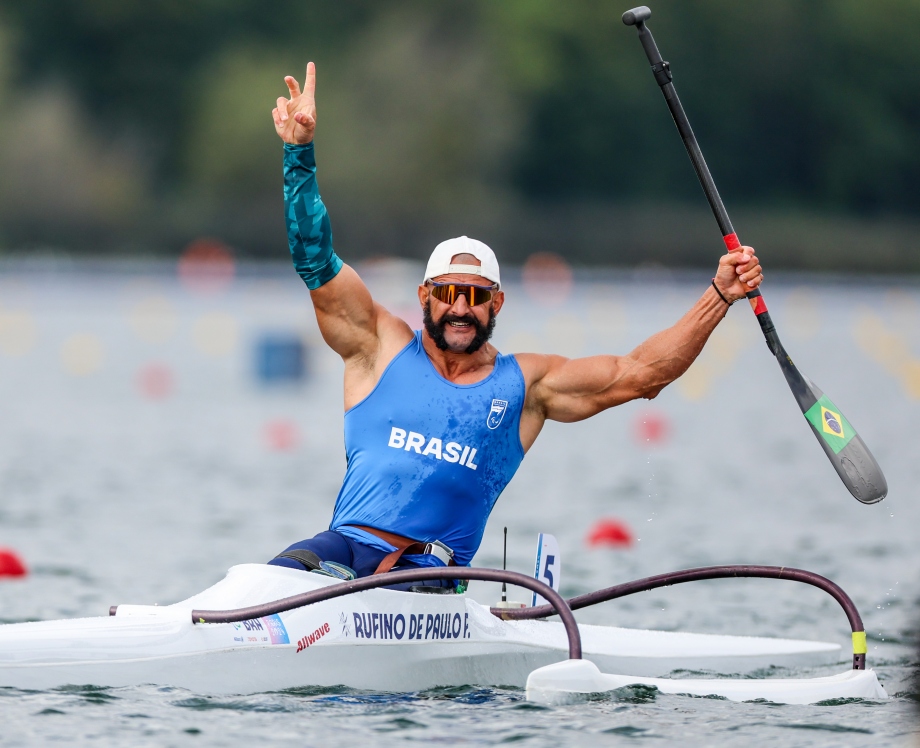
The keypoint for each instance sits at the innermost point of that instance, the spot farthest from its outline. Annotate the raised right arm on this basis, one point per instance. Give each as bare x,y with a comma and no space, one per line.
344,308
349,320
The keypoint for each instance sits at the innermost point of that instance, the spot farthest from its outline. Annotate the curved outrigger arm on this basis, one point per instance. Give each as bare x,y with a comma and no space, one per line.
556,606
710,572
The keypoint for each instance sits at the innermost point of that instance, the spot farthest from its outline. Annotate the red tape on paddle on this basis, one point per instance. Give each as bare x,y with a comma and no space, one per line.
758,305
731,242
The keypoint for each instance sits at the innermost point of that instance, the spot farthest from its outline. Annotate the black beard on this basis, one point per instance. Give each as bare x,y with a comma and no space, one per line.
436,329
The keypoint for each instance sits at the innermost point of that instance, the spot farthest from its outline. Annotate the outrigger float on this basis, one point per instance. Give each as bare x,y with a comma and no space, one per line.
267,628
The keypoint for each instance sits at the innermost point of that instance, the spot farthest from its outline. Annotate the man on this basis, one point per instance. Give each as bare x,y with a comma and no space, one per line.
438,421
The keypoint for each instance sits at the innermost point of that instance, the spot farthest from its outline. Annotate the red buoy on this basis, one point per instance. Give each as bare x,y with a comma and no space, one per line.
611,533
282,435
10,564
651,429
207,267
155,381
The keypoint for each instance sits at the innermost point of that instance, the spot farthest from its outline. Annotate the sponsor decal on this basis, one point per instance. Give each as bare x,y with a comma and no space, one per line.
411,441
830,424
311,639
268,629
276,630
346,627
413,626
496,413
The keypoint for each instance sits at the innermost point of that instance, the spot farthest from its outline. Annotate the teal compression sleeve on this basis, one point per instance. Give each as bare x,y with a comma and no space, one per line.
308,227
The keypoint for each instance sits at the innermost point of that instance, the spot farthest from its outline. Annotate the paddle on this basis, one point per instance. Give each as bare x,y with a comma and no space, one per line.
845,449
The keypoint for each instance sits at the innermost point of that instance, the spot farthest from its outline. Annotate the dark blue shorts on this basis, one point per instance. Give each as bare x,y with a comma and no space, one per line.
332,546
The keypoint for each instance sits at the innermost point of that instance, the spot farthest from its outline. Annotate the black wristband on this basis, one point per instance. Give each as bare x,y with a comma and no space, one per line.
720,293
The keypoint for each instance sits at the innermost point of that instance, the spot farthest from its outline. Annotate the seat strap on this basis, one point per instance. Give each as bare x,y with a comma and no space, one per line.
402,544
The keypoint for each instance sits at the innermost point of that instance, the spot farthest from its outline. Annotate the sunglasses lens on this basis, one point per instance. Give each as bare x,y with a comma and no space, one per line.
444,293
478,296
448,293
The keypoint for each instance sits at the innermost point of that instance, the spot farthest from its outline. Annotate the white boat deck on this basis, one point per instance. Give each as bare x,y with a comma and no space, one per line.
377,639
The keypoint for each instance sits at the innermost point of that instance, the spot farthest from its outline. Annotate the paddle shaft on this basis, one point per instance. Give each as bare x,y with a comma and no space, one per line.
662,72
845,449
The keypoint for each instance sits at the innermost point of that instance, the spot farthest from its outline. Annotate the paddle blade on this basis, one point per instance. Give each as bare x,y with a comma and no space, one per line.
857,469
844,447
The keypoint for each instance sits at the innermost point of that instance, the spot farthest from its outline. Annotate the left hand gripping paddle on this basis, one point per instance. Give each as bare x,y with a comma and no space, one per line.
845,449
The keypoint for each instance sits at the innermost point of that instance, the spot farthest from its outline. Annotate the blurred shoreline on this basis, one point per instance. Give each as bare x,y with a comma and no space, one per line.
55,263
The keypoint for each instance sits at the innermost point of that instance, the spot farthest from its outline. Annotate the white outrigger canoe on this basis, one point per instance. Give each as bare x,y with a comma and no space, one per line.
387,640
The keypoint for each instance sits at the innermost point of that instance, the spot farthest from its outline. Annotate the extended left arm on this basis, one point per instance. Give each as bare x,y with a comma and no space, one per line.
574,389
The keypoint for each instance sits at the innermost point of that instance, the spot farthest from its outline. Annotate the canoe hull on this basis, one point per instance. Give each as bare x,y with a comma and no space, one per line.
379,640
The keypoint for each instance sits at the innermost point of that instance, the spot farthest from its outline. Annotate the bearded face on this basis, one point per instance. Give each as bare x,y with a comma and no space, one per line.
438,330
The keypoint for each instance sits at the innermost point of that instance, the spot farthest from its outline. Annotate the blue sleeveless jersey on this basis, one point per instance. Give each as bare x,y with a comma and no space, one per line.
427,459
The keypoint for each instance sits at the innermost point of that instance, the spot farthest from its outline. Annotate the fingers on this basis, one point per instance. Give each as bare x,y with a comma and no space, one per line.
309,84
305,120
293,86
276,116
282,105
743,265
748,269
752,277
739,256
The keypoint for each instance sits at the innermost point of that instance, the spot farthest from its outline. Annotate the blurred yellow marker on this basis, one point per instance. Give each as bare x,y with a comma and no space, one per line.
154,319
215,334
889,349
82,354
17,333
717,359
695,383
910,378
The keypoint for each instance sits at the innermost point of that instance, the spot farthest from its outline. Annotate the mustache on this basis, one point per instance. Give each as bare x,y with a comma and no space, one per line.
436,329
468,318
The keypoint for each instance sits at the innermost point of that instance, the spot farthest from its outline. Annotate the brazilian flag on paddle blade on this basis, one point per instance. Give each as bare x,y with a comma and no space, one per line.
830,424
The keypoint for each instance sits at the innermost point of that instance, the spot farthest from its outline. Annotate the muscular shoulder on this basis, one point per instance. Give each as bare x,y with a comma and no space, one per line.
535,366
394,333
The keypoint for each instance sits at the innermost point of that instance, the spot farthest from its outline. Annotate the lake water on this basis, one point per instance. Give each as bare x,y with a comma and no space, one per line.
140,457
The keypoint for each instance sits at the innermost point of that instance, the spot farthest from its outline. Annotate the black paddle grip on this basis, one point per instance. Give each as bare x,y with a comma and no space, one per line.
637,15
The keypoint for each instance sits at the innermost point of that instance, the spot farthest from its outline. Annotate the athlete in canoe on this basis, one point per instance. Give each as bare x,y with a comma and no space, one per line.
437,421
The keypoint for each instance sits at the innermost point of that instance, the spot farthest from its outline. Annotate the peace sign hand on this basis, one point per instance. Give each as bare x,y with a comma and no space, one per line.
295,118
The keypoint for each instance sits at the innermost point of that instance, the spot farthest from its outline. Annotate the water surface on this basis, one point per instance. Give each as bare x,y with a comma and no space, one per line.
117,490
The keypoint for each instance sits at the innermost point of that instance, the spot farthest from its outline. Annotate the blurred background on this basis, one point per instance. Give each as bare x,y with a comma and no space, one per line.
168,408
133,128
165,385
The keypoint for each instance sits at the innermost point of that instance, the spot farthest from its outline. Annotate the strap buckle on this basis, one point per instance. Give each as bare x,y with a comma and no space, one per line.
440,551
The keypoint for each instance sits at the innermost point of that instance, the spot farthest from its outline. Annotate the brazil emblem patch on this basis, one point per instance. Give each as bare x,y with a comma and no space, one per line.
830,424
496,413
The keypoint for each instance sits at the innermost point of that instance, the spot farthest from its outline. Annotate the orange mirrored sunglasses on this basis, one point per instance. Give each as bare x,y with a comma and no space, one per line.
449,292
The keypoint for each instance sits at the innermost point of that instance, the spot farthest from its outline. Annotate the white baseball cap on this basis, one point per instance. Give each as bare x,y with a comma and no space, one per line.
439,262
